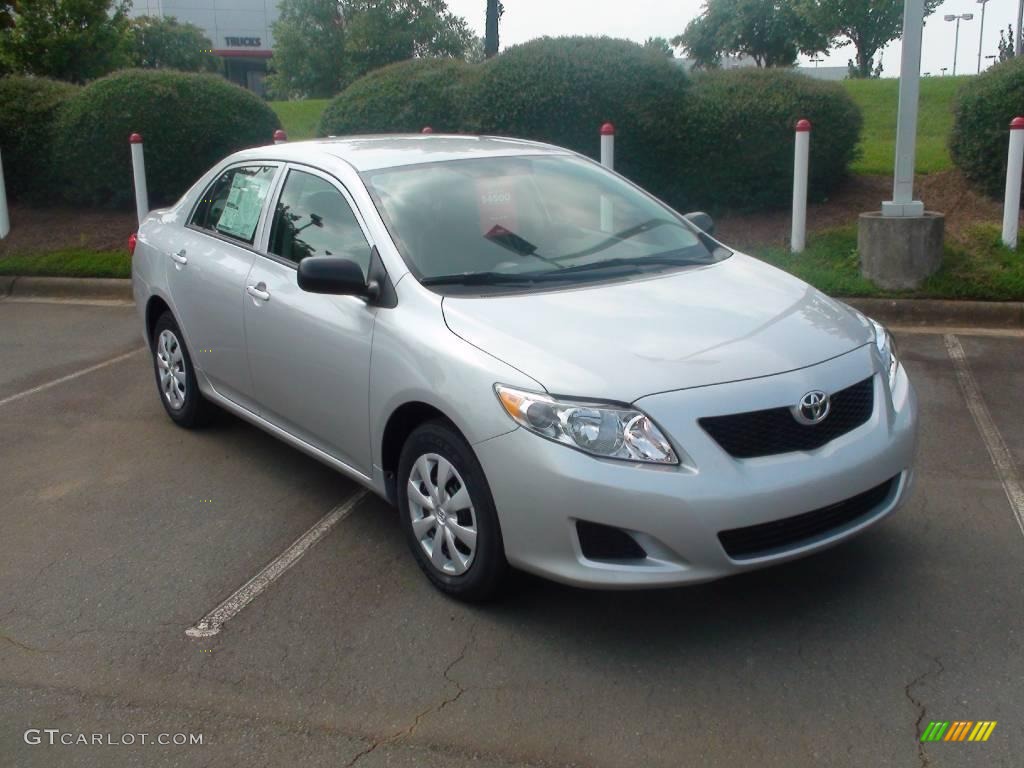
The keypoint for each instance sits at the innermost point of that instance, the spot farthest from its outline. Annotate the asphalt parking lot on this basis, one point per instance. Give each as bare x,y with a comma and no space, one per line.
119,531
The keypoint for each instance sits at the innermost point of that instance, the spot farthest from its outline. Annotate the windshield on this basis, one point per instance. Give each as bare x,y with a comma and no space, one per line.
513,221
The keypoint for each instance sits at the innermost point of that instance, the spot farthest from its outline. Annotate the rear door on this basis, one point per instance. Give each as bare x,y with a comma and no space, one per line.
207,272
309,353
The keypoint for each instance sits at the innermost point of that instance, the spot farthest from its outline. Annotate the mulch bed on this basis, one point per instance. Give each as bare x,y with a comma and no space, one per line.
946,192
35,230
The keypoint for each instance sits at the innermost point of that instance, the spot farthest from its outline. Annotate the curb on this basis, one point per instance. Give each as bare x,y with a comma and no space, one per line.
91,288
920,312
940,312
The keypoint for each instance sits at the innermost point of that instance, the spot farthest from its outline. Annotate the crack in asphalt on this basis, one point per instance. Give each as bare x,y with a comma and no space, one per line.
919,705
22,646
407,732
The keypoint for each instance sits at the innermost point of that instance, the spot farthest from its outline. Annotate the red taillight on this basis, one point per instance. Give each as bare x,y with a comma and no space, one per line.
132,239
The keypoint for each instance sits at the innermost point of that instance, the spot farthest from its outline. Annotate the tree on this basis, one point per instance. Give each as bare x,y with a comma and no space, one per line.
1006,47
381,32
495,10
475,52
660,45
320,46
868,24
309,50
74,40
165,42
771,32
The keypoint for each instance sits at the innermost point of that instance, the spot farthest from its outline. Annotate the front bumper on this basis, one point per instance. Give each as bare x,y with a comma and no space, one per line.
541,489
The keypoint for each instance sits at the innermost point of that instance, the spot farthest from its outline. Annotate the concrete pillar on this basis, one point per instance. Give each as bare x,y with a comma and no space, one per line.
900,252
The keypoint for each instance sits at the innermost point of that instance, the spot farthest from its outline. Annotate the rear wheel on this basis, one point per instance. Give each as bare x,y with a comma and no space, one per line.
448,514
175,376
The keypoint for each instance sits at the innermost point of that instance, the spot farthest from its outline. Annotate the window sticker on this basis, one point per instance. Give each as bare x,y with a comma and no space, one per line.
496,200
243,206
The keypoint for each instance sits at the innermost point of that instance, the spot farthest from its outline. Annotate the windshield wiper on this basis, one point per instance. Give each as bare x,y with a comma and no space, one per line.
635,261
553,275
481,278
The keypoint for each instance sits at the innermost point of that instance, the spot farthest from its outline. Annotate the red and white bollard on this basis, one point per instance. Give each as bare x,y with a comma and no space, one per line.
280,137
608,146
801,155
608,161
5,221
1014,166
427,129
139,175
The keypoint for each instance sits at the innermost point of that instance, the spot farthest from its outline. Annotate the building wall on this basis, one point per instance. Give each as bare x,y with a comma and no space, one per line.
230,24
240,31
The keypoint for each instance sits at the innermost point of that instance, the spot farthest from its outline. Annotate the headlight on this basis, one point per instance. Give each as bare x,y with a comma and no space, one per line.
602,430
886,345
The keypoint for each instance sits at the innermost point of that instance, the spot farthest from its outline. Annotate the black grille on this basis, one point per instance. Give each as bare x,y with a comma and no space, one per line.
765,433
603,542
766,538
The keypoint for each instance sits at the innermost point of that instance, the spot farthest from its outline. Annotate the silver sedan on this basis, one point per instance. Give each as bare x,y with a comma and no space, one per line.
540,364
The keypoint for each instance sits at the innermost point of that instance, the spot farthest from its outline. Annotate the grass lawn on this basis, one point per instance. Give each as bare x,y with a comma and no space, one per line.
300,118
878,100
979,267
73,262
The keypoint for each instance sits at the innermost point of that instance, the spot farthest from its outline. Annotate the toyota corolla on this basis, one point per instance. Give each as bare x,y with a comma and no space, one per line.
541,365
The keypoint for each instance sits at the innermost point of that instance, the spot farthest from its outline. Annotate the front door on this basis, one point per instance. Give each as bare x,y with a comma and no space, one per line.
310,354
206,275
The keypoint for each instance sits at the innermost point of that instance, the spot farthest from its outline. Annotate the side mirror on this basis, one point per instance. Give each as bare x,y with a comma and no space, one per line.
335,276
701,221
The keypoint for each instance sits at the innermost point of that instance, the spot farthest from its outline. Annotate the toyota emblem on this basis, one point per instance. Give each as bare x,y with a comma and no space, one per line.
812,408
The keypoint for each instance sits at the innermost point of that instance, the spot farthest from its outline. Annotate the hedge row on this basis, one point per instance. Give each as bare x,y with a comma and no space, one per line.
78,151
715,140
28,110
982,112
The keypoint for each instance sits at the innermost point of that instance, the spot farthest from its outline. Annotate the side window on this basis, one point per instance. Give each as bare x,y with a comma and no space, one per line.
231,205
314,219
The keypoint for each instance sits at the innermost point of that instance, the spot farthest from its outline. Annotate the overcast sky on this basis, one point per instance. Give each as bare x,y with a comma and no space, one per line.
640,19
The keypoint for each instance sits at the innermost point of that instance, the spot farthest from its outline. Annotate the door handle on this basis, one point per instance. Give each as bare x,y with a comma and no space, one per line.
179,257
258,291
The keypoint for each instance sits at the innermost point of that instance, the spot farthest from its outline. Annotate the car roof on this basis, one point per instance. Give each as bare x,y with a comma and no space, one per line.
370,153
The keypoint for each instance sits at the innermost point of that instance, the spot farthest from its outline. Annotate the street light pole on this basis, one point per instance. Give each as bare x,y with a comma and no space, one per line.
903,203
901,246
956,44
1020,22
981,32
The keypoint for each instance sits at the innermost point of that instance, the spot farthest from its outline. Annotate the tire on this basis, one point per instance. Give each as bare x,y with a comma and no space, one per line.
175,377
469,568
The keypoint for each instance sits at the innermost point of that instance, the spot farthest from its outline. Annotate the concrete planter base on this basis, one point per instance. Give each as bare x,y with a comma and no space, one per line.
900,253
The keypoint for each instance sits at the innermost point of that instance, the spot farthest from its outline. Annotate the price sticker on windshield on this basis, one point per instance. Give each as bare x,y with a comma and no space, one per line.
496,201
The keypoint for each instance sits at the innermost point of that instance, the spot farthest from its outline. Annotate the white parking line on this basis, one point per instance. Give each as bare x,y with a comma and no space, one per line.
70,376
1002,459
211,623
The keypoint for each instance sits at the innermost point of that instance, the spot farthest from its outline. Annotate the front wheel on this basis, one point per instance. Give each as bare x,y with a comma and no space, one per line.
448,514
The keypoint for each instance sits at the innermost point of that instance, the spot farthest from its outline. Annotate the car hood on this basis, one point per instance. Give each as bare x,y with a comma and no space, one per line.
737,319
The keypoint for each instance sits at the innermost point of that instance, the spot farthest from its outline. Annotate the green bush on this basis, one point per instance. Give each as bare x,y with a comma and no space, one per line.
737,135
561,90
402,98
189,122
28,110
982,112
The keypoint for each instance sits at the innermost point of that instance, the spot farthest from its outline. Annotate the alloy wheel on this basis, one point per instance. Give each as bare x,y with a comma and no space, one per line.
170,363
443,518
